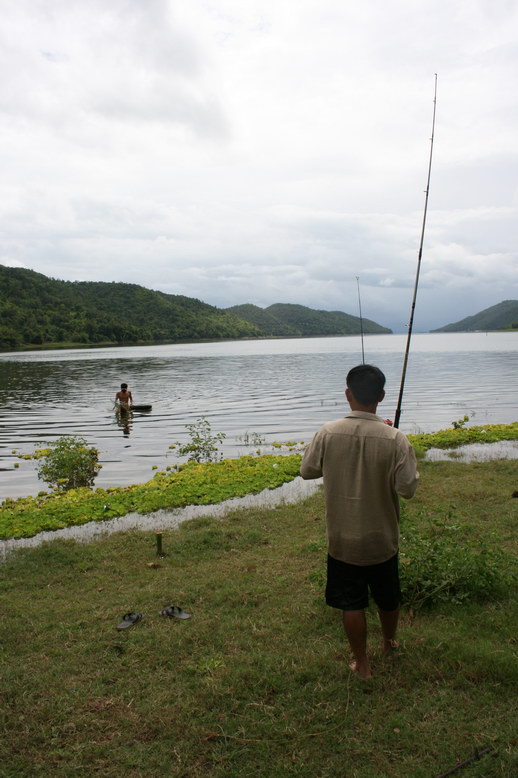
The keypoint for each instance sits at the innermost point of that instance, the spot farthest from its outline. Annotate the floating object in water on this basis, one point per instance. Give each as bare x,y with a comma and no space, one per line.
135,407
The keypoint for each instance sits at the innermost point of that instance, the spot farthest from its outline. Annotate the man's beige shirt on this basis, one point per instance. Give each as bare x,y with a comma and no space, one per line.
365,464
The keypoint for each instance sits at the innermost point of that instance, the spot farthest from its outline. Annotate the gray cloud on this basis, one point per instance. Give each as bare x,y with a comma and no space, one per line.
250,152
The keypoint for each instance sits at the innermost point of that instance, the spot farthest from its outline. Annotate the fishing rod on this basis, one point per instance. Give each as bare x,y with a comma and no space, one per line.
361,318
420,255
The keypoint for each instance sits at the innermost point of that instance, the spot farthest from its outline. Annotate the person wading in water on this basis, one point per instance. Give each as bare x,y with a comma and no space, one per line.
124,398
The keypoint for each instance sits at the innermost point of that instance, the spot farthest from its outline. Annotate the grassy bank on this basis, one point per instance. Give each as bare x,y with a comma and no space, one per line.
195,484
256,683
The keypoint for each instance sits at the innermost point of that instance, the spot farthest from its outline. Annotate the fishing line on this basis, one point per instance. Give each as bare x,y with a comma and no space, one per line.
420,255
361,319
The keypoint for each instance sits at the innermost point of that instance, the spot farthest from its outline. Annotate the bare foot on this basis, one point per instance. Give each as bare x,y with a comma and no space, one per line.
389,645
362,671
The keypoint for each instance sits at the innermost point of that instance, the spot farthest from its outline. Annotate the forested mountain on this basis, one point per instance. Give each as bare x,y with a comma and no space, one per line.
502,316
288,319
37,310
263,319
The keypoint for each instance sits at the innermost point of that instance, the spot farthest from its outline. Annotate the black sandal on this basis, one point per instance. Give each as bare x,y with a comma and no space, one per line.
174,612
129,619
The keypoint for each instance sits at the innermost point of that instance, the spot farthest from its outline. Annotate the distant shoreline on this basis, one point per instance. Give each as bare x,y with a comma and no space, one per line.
181,341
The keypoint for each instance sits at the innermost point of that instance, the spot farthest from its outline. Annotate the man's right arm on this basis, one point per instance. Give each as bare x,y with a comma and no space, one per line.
311,465
406,476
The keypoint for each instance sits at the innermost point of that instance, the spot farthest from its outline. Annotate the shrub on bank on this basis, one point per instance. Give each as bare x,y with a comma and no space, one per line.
440,563
69,463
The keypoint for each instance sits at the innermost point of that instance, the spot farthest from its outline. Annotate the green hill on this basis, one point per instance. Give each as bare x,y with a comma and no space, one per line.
263,319
36,310
289,319
502,316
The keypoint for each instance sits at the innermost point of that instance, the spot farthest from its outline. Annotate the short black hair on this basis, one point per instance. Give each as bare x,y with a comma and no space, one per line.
366,382
124,386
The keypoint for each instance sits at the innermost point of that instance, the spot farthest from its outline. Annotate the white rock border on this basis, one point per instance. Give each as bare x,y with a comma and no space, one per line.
475,452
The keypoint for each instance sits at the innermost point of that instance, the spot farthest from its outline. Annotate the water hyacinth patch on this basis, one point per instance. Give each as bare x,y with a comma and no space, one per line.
192,484
462,436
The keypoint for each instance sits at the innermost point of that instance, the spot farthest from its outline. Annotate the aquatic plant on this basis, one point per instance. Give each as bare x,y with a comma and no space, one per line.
204,445
457,425
251,439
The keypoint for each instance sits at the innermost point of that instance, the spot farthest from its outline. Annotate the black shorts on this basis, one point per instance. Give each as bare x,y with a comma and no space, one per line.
348,585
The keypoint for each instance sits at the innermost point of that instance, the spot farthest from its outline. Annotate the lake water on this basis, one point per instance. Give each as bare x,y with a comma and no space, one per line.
280,389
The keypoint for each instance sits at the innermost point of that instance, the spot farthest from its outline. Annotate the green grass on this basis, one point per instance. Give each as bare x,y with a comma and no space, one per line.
256,683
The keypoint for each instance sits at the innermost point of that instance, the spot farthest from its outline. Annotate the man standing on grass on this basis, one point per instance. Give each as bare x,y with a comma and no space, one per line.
365,463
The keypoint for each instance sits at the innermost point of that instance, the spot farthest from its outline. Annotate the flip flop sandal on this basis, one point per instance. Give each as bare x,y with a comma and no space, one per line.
129,619
174,612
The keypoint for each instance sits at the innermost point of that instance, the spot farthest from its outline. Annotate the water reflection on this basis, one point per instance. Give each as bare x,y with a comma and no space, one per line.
124,418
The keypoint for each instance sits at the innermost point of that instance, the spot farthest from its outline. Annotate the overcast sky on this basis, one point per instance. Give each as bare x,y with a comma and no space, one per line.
265,151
